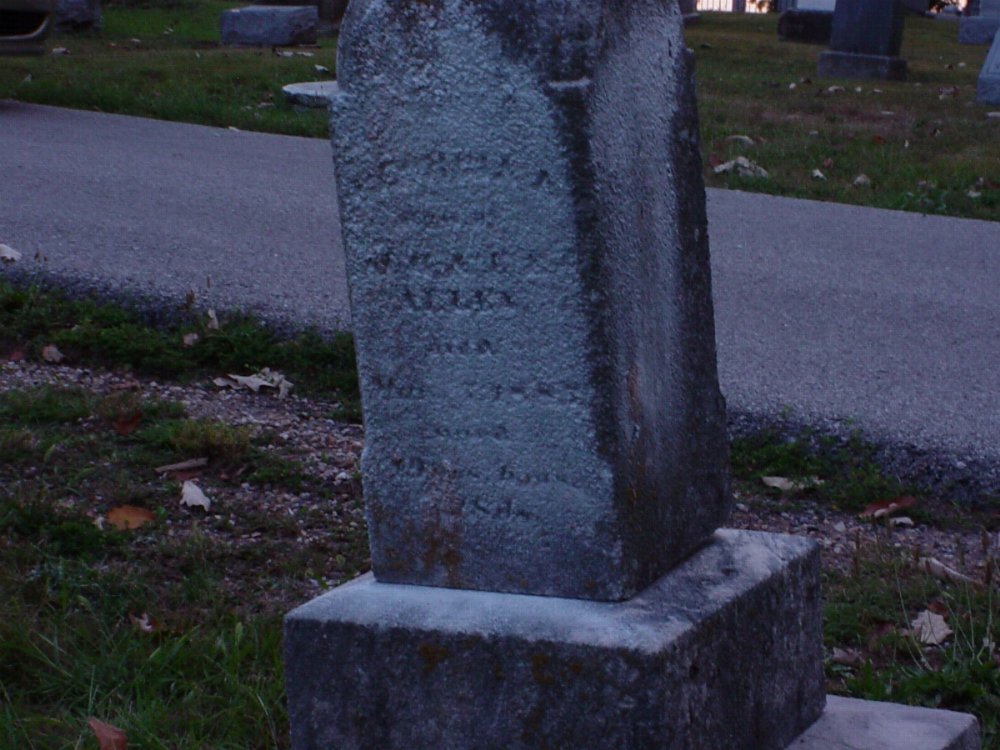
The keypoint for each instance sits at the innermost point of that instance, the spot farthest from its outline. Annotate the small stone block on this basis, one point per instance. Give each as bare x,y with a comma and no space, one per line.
722,652
988,85
871,725
269,25
314,94
848,65
978,29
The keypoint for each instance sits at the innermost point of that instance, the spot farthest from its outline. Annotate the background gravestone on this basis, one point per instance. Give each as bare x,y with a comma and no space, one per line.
865,41
78,15
981,27
813,26
988,84
269,25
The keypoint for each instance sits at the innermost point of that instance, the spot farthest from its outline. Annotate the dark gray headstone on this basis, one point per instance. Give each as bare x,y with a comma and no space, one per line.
812,26
865,41
269,25
78,15
988,85
528,260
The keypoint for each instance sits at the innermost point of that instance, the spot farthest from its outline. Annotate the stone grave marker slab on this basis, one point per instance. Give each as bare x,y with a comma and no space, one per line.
981,27
988,84
269,25
865,41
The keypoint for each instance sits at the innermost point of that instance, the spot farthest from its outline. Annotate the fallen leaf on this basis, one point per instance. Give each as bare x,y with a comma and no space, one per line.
791,485
930,628
862,180
743,140
973,194
266,378
847,657
817,175
191,463
743,167
213,320
108,737
9,254
321,69
127,425
792,86
16,355
192,496
189,339
887,507
126,517
833,90
828,162
942,572
901,521
60,51
878,140
252,382
144,622
52,354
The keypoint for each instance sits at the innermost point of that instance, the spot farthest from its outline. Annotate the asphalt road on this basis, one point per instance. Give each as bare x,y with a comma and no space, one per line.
832,316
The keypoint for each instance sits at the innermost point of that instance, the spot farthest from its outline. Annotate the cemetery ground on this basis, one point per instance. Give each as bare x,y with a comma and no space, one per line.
921,145
123,603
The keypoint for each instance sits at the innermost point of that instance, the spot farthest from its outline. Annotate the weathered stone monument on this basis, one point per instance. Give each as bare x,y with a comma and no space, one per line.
269,25
988,84
545,466
865,41
810,26
982,26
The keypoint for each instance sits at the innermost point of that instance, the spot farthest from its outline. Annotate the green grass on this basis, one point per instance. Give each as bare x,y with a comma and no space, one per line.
925,155
88,332
164,61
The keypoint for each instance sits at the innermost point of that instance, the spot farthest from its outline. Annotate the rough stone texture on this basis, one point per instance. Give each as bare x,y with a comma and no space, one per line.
814,26
524,227
722,652
865,41
978,29
311,93
988,84
269,25
851,65
78,15
869,725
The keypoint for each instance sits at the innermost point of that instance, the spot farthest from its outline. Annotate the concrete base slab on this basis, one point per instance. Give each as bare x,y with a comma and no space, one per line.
311,93
850,65
722,652
850,724
978,29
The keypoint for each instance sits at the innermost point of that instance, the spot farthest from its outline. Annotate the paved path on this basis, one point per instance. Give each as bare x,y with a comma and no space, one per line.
837,316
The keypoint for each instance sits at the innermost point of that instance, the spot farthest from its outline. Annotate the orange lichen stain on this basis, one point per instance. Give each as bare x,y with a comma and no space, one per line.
431,655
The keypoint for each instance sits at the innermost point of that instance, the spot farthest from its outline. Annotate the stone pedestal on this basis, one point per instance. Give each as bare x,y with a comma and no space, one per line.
865,41
722,652
850,65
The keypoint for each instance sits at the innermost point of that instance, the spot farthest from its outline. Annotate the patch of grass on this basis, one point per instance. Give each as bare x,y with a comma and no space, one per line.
869,611
924,143
164,60
850,478
49,404
91,333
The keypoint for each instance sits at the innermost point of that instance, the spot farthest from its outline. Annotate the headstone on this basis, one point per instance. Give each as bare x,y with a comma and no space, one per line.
545,461
689,10
865,41
988,85
812,26
980,28
269,25
78,15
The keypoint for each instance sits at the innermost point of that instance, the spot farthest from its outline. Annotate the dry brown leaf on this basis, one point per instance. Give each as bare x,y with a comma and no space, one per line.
791,485
16,355
108,737
127,517
847,657
930,628
889,506
213,321
52,354
189,339
144,622
127,425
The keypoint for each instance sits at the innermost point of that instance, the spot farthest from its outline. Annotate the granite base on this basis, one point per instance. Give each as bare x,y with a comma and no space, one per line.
834,64
722,652
872,725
